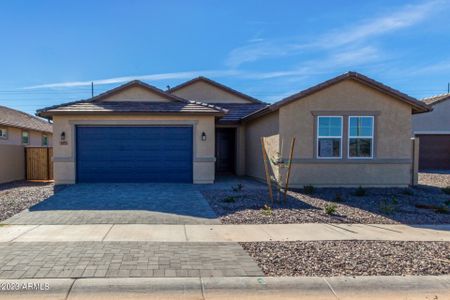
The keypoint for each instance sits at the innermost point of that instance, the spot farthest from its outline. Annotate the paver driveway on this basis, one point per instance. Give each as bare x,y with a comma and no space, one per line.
121,204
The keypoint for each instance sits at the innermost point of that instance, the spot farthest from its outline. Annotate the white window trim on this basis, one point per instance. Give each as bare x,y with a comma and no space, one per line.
21,137
6,136
361,137
329,137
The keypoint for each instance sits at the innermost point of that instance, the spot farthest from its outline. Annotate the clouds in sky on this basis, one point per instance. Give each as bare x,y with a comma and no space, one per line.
353,45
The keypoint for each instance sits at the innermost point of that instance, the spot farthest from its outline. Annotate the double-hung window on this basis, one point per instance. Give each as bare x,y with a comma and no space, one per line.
25,137
360,137
329,137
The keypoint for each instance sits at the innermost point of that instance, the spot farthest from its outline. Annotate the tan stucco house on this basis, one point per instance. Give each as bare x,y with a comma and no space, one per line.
19,130
433,131
350,131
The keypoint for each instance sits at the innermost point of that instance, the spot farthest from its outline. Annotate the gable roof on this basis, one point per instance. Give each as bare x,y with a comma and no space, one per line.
236,111
417,106
96,105
16,118
215,84
433,100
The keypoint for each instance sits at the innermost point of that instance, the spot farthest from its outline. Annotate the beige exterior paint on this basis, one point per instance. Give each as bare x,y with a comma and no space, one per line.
392,162
12,163
136,93
268,127
434,122
15,137
204,92
65,156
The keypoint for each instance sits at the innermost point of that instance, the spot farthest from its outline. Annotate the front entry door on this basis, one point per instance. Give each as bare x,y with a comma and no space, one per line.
225,150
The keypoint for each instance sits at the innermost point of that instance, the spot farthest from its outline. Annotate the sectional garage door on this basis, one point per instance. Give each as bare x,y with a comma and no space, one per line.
134,154
434,151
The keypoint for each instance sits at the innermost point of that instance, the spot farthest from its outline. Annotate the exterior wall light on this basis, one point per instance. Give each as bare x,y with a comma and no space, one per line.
203,136
63,141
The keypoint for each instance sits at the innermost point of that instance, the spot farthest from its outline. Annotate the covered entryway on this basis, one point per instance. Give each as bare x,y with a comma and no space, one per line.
434,152
225,150
134,154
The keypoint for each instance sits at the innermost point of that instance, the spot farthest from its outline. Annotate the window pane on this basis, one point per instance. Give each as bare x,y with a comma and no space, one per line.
330,126
44,140
25,137
329,147
361,126
360,147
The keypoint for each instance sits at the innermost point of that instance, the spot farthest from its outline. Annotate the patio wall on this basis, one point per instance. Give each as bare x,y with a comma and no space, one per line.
12,165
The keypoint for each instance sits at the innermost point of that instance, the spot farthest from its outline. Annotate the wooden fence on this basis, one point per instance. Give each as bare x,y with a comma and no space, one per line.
39,163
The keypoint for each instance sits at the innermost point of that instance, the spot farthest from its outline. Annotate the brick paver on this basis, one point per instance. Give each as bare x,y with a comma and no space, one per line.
124,259
121,204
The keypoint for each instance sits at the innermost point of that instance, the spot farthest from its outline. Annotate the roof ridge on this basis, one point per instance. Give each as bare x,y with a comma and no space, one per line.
208,105
434,96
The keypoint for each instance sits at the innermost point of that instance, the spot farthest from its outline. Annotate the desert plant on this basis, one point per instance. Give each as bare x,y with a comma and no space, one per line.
446,190
308,189
360,191
237,188
388,206
338,197
266,210
229,199
408,192
330,208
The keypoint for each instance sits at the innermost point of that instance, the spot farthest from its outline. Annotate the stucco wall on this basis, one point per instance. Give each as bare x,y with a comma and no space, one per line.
436,121
15,137
12,165
204,92
136,93
391,164
65,156
268,127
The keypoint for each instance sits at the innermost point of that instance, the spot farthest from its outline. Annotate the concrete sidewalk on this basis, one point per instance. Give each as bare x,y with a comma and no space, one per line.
222,233
391,287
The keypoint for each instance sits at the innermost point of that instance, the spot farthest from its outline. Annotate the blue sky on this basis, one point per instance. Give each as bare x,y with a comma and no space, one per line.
52,50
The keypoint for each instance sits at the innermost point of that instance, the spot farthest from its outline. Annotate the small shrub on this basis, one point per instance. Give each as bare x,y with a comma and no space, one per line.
266,210
308,189
229,199
388,206
408,192
446,190
237,188
330,208
360,192
442,210
338,197
447,202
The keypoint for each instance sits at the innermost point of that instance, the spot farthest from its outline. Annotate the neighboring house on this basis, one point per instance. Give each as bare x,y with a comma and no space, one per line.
433,130
19,130
350,131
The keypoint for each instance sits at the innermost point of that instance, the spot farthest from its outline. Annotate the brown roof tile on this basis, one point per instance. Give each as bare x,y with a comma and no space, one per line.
236,111
15,118
433,100
216,84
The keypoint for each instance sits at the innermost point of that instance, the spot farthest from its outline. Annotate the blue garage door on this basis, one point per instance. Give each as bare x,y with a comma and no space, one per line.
134,154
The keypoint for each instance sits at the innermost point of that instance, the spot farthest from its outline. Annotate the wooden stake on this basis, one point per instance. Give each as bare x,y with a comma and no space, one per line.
289,169
266,168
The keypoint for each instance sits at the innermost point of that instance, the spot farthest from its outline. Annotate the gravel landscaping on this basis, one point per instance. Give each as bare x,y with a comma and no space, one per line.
20,195
425,204
351,258
435,179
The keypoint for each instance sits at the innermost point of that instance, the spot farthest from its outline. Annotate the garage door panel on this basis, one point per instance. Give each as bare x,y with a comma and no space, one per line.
134,154
434,152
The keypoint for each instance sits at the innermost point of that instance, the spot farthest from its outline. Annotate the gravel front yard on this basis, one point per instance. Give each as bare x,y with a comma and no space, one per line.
17,196
426,204
351,258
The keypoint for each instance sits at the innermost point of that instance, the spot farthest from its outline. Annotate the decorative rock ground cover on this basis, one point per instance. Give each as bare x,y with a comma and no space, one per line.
351,258
17,196
420,205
